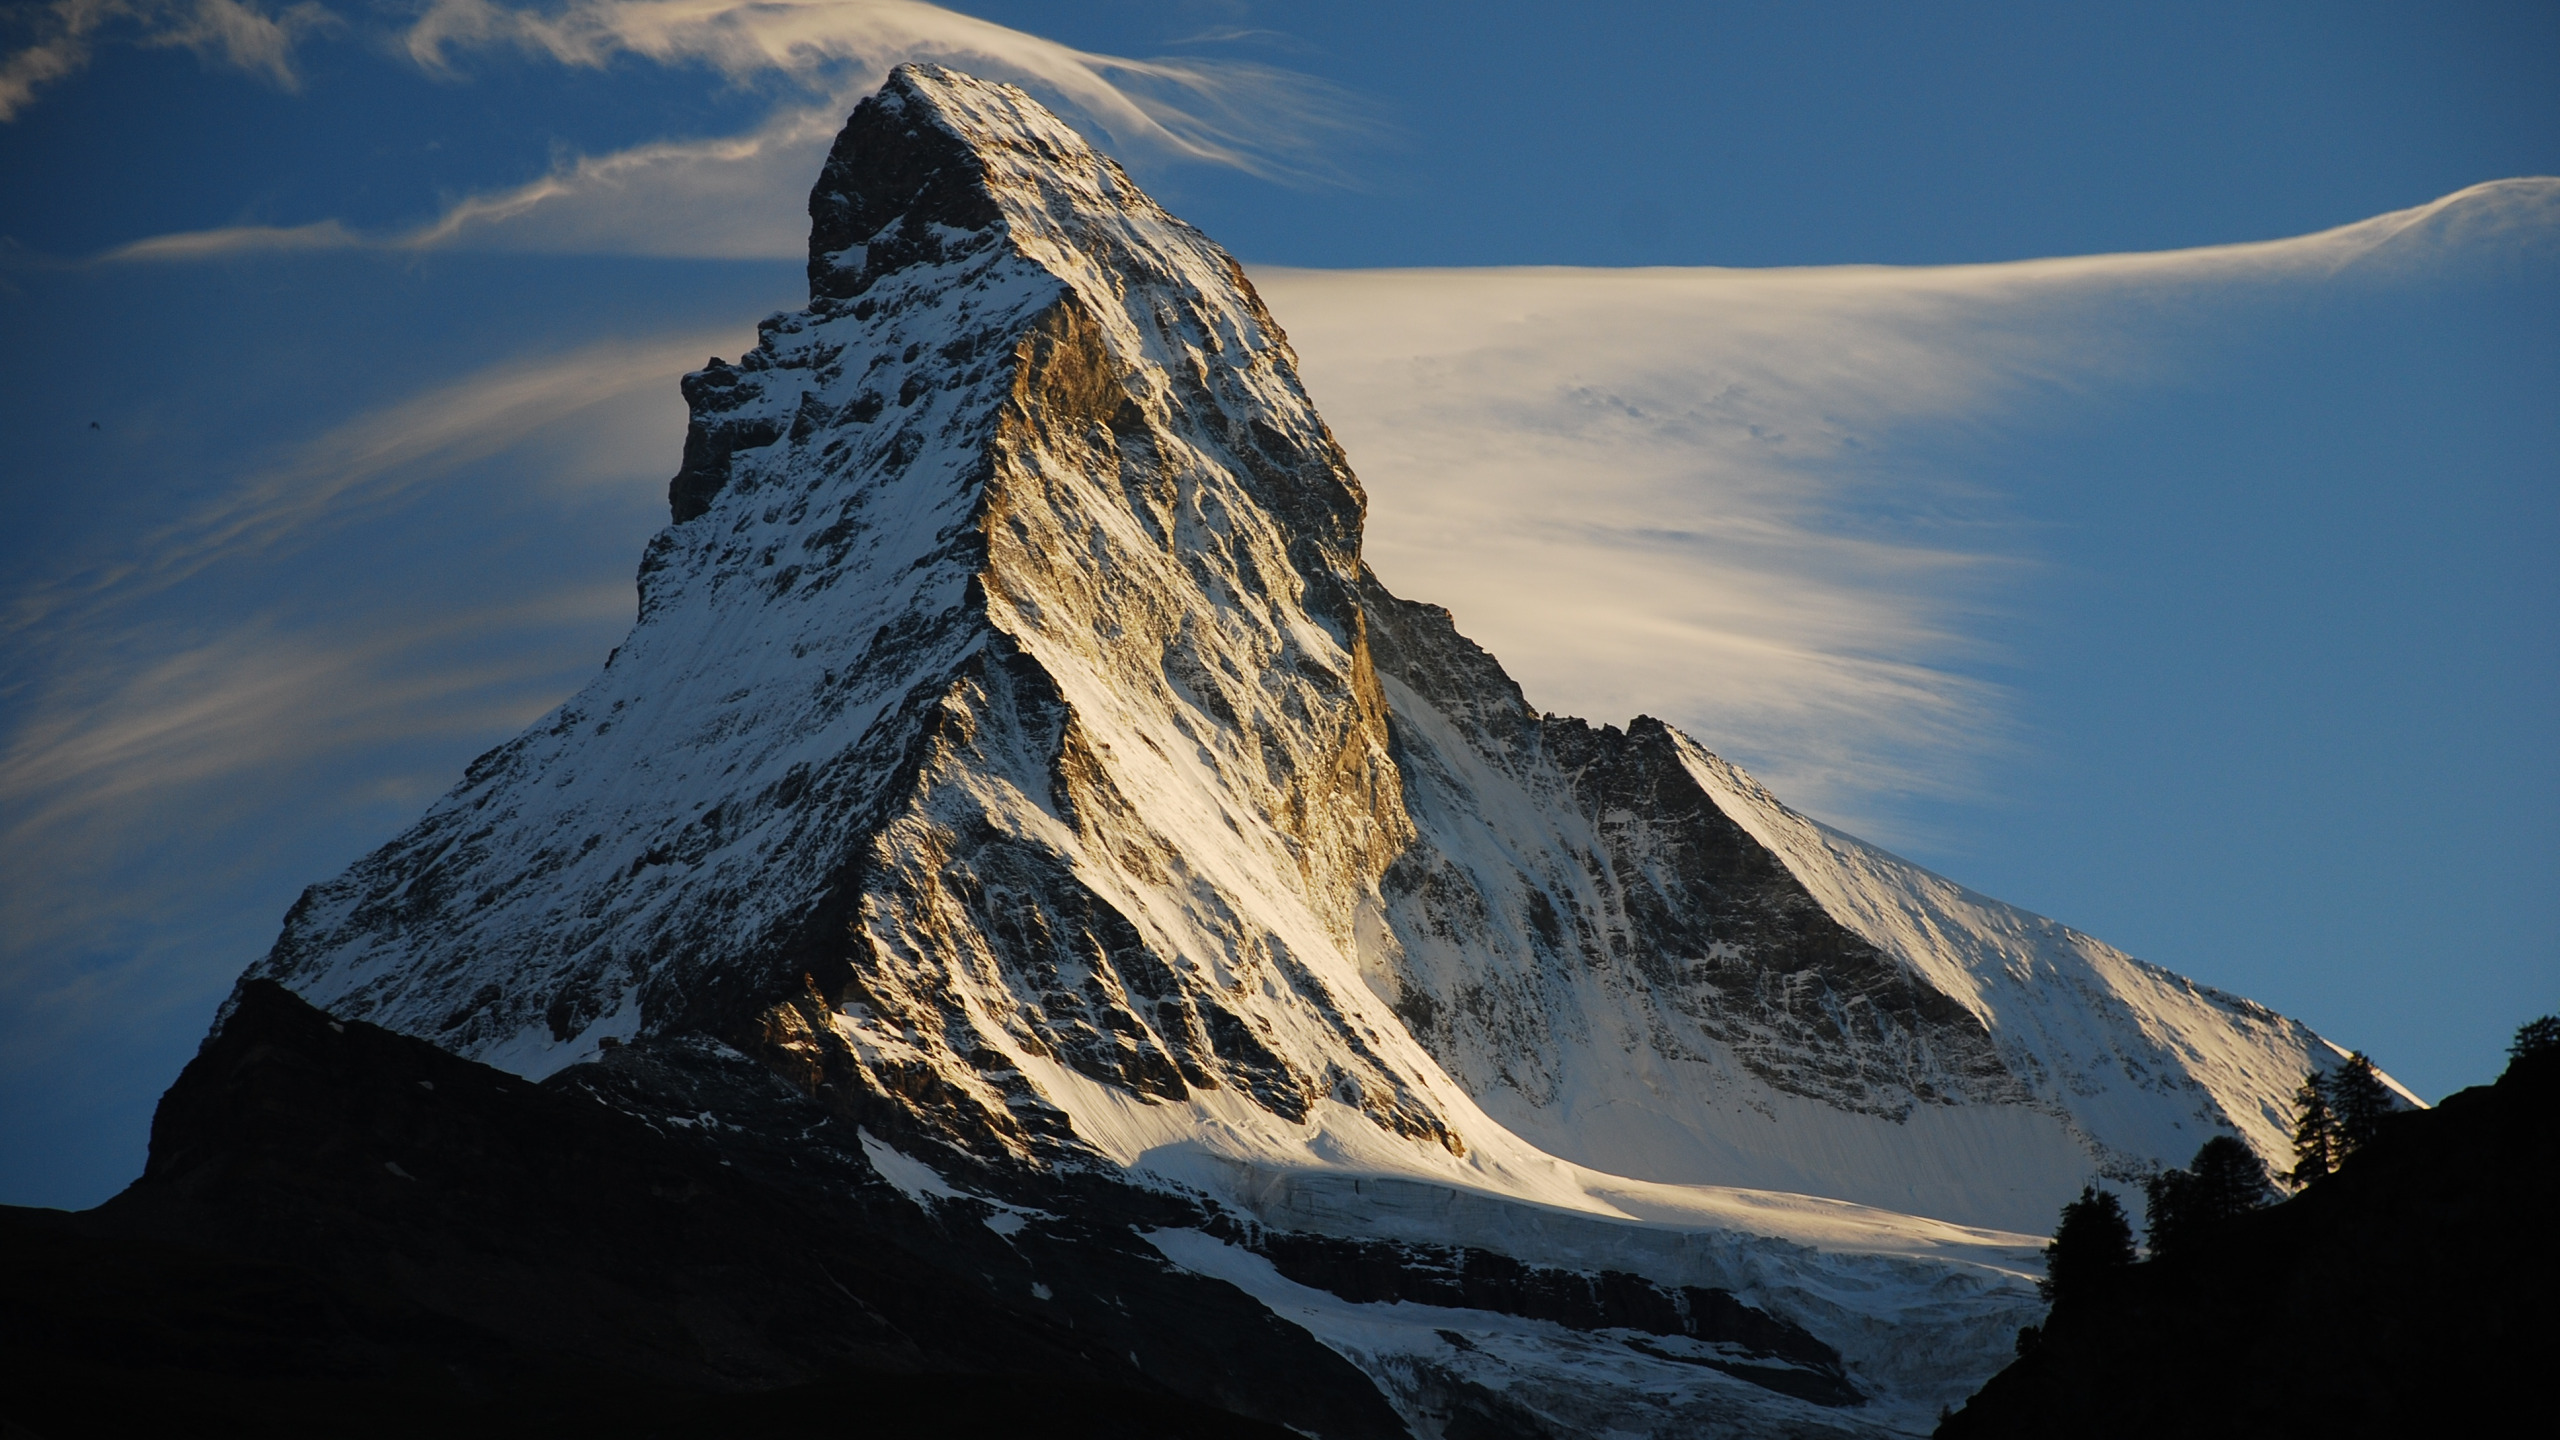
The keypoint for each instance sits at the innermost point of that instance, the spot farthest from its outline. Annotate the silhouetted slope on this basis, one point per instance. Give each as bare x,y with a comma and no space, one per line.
348,1229
2410,1294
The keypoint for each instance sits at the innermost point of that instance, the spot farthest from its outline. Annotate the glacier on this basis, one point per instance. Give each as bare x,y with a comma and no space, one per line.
1013,754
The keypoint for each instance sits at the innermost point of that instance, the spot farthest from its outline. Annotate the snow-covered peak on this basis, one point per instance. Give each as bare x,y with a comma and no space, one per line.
1013,754
1000,697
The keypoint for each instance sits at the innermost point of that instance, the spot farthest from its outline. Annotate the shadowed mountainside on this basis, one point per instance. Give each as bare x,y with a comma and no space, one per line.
344,1230
2399,1297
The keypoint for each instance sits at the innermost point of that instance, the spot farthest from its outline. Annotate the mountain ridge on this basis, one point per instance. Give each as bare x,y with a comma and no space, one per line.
1015,759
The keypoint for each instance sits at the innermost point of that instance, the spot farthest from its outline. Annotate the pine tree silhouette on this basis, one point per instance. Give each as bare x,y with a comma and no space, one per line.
2230,1182
2165,1224
2359,1099
2315,1131
2093,1241
2225,1181
2535,1040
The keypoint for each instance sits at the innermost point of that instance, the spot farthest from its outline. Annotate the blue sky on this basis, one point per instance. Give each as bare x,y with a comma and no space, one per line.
2198,595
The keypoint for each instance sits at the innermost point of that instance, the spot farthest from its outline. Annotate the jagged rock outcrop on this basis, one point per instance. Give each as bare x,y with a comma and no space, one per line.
1005,575
1634,956
1014,759
1697,918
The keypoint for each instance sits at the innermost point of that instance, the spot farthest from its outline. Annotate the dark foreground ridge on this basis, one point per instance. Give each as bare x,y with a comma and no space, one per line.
346,1231
2401,1296
343,1230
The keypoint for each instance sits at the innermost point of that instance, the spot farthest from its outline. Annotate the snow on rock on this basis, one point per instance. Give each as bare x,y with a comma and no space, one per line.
1547,1378
1634,957
1013,753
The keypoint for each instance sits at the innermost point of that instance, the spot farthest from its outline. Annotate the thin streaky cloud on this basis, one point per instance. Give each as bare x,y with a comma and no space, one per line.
1252,117
192,761
743,195
359,467
740,197
237,239
243,34
170,698
63,51
732,198
370,460
258,696
1689,492
1238,34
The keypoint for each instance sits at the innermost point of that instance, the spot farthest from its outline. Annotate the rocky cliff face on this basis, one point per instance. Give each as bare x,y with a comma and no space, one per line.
1014,758
1642,883
1634,956
1000,698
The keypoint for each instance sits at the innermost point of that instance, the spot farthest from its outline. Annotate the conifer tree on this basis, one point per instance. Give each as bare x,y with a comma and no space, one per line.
2094,1240
2225,1180
2315,1131
2359,1100
2166,1225
2230,1180
2535,1039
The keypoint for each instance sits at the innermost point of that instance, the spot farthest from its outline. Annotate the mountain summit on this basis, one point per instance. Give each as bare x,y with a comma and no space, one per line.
1014,756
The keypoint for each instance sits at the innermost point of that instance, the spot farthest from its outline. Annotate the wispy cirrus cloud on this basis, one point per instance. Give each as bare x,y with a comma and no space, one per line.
743,195
113,739
234,239
1253,117
358,466
150,787
1696,492
172,668
181,704
733,198
244,34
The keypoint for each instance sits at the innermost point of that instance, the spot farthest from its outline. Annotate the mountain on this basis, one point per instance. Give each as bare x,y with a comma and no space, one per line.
1014,761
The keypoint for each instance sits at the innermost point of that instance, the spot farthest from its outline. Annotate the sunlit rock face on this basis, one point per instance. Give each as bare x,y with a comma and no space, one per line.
1635,957
1014,755
999,700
